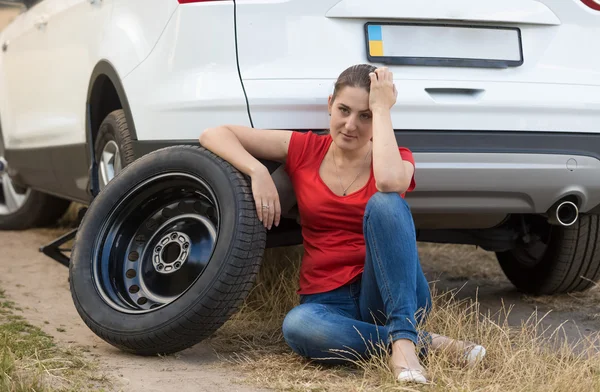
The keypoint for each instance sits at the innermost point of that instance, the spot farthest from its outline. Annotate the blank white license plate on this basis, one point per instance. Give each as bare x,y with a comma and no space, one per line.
443,45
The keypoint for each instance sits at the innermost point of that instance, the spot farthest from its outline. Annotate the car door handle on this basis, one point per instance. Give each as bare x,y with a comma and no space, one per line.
5,46
455,95
94,2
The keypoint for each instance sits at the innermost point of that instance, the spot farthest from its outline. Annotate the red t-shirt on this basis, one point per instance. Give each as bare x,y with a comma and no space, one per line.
332,225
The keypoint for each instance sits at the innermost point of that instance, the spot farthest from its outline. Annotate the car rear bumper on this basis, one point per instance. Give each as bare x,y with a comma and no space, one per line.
502,183
484,172
502,172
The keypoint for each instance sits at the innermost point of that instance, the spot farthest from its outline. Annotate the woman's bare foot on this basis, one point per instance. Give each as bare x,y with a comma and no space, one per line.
467,352
404,357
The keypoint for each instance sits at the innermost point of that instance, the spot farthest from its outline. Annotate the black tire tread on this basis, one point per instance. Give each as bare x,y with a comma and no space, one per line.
571,263
115,122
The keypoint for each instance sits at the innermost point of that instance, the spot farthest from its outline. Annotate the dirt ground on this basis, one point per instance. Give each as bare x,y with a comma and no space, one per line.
476,274
39,286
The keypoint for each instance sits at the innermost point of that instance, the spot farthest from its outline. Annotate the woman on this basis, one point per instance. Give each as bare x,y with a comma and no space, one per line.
361,283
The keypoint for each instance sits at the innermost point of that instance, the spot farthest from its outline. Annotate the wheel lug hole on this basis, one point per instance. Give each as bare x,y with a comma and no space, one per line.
177,265
130,273
158,249
142,300
160,267
134,289
186,245
173,236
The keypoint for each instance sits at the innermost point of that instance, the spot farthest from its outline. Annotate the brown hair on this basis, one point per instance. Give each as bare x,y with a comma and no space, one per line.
354,76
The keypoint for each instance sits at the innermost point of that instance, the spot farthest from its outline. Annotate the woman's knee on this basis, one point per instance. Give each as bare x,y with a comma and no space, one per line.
383,206
301,328
310,332
295,324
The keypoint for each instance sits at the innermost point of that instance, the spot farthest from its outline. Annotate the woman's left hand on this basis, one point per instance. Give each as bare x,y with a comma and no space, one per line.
383,91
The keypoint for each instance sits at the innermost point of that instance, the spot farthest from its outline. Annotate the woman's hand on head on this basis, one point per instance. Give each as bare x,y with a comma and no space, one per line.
266,198
383,91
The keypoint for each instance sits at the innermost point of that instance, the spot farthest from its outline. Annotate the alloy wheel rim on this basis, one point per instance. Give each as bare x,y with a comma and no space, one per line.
110,163
10,200
155,244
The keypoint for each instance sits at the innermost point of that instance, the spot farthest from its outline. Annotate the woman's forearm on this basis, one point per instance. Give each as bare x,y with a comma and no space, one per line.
224,143
388,167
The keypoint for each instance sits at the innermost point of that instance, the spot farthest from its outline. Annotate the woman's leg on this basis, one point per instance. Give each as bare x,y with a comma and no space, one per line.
326,329
394,289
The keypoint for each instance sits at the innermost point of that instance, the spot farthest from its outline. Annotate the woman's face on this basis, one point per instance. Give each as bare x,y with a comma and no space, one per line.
351,123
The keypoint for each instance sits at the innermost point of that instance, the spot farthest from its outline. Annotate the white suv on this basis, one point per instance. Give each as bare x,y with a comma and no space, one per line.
498,100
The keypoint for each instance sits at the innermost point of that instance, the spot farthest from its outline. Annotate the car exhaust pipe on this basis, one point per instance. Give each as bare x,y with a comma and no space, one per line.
563,213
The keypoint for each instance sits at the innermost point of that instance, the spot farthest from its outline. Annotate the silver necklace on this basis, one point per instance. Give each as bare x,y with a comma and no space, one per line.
357,174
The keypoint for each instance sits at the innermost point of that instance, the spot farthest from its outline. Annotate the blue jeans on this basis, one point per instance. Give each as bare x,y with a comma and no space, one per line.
385,304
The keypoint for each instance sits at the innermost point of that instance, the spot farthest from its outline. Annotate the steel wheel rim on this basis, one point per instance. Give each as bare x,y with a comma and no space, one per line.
124,265
10,200
110,163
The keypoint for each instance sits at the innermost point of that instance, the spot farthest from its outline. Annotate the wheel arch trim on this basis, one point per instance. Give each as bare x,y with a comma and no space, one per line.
104,69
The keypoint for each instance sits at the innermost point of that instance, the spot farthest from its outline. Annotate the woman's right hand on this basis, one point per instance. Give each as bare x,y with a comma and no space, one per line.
266,195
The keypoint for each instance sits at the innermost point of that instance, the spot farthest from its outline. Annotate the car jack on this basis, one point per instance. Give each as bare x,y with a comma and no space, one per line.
54,250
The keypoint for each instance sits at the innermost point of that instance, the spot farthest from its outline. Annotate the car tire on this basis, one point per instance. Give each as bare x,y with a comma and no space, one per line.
567,259
186,195
113,148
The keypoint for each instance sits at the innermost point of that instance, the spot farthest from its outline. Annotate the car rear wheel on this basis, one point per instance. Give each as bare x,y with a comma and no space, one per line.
113,147
557,259
167,252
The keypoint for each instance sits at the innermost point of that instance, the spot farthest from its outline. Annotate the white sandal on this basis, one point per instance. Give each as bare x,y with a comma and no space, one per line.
474,355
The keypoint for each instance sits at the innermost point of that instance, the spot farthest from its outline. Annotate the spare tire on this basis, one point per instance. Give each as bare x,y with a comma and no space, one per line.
167,252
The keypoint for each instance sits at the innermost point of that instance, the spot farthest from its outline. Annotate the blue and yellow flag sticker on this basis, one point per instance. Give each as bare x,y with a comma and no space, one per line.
375,40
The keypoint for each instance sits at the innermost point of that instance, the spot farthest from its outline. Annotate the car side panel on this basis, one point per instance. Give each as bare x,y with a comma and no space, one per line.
190,81
135,27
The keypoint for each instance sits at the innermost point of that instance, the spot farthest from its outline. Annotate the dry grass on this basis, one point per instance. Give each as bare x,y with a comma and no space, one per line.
524,358
31,362
71,216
